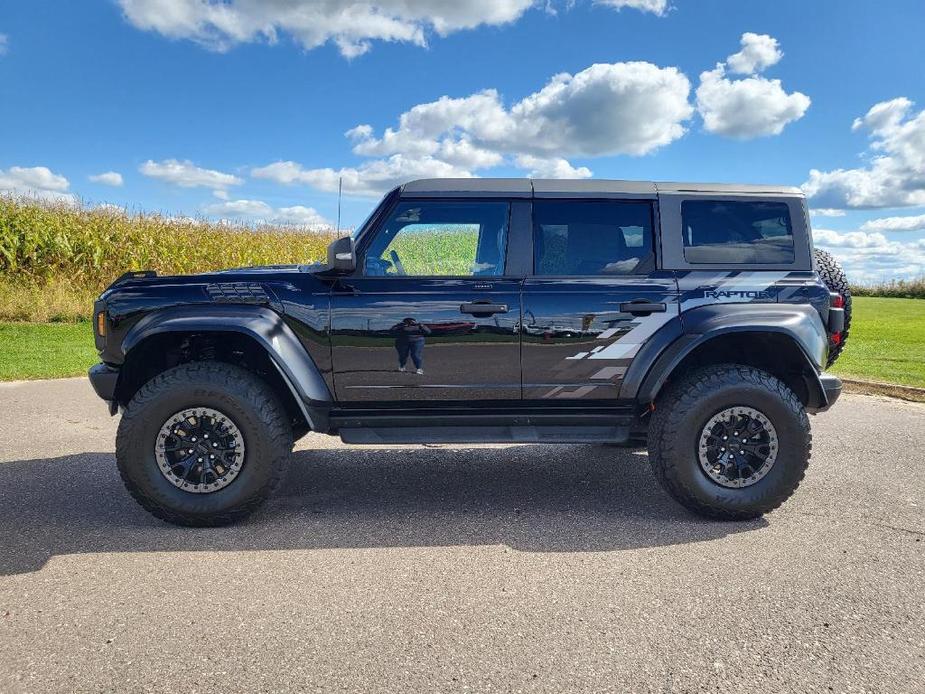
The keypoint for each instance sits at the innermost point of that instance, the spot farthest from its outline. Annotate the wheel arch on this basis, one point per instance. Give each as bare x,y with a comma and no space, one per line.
782,340
256,338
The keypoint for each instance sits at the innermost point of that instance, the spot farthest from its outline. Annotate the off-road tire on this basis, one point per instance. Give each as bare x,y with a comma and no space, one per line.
831,273
682,411
241,396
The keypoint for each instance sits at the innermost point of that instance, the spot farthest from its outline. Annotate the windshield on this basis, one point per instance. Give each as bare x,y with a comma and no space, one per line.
386,201
356,230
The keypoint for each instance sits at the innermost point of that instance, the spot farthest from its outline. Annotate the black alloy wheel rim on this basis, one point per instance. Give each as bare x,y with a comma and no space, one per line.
737,447
199,450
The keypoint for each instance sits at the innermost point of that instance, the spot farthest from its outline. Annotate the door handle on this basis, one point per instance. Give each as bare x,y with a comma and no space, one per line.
482,308
641,307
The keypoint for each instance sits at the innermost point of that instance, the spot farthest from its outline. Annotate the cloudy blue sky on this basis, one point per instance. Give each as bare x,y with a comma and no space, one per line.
254,109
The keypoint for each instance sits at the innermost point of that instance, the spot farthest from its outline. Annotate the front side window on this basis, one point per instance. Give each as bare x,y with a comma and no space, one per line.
572,237
736,232
435,238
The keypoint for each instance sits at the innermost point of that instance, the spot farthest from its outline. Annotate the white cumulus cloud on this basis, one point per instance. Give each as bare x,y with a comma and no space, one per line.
300,216
659,7
350,24
620,108
187,175
36,182
111,209
895,176
753,106
109,178
239,209
259,212
909,223
552,167
871,257
826,212
369,179
759,51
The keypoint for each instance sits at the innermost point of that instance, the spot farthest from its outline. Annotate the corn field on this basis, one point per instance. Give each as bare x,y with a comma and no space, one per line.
54,258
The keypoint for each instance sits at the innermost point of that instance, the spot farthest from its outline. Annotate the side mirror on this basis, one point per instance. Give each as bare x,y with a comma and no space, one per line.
342,255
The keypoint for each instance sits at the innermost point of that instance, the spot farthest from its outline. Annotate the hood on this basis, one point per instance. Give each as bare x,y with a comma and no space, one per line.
253,272
259,269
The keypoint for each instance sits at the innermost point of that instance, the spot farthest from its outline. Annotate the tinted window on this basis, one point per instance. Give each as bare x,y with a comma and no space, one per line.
592,238
434,238
722,231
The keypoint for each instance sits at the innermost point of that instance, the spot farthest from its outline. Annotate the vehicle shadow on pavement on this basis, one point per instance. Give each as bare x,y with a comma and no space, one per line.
531,498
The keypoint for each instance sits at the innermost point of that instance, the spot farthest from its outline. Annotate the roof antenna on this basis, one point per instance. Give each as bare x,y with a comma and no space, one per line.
340,190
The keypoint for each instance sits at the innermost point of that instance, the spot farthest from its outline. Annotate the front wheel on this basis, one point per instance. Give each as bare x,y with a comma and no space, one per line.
729,442
203,444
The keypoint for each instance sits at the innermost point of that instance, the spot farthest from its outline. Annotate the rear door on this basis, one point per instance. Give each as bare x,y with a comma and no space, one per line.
595,296
431,315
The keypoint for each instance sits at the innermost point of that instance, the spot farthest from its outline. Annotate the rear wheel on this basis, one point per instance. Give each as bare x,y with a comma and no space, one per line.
203,444
833,276
729,442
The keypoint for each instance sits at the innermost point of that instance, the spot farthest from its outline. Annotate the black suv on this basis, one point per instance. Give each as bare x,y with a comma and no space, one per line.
695,319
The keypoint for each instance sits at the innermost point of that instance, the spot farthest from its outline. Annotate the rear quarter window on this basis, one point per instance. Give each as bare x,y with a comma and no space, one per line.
737,232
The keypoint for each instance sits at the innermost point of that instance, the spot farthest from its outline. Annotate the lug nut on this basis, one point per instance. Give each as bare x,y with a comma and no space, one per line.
194,439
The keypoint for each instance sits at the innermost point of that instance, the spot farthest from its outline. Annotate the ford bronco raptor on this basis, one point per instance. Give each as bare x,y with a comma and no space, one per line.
694,319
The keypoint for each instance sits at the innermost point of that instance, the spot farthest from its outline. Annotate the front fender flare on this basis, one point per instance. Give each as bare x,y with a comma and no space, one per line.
264,326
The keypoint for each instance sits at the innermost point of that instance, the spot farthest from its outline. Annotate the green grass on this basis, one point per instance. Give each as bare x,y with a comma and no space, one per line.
887,342
52,350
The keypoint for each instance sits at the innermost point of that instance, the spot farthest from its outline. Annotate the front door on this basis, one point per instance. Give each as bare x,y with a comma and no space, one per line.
430,315
594,297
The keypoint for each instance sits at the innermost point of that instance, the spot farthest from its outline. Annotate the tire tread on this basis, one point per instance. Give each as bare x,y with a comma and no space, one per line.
686,395
833,276
221,376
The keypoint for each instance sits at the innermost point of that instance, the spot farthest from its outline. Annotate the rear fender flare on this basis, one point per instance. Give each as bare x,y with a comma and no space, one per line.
801,324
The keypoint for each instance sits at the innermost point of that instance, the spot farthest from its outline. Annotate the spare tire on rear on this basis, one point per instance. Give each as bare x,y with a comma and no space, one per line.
832,275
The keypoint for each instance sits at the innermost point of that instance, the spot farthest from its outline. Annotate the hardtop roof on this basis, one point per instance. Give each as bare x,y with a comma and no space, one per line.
529,187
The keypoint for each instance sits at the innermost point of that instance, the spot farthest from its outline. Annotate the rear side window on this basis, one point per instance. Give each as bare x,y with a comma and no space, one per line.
736,232
572,237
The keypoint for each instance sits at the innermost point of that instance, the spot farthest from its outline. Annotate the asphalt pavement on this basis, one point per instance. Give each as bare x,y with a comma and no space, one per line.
457,568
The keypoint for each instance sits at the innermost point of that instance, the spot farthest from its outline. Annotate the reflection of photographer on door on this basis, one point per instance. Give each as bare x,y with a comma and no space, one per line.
409,341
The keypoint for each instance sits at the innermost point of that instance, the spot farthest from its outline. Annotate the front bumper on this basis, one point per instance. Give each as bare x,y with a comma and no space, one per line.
103,378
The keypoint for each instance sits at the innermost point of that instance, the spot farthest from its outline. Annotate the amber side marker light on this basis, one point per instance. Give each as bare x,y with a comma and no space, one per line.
101,324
